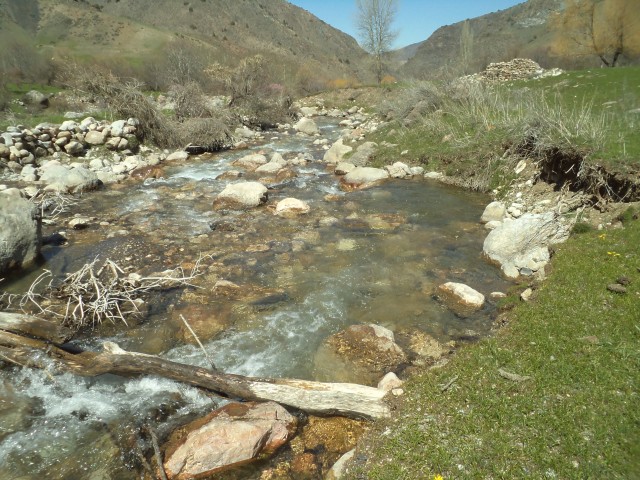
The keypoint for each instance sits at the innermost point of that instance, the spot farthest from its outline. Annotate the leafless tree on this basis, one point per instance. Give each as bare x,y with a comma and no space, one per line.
374,19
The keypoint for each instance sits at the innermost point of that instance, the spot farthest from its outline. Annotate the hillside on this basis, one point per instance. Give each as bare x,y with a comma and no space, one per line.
532,29
138,34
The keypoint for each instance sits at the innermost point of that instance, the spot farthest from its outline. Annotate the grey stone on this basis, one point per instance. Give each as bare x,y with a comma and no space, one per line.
73,180
337,152
20,232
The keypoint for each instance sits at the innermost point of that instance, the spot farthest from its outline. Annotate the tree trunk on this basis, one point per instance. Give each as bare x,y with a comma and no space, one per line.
346,399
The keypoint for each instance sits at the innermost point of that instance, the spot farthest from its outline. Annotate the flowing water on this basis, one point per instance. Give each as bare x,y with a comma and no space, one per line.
372,256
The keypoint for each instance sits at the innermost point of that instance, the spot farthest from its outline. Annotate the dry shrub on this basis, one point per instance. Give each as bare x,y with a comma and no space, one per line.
415,102
342,83
125,99
190,101
211,134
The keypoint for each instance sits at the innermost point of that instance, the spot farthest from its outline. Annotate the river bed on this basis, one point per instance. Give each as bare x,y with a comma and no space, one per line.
371,256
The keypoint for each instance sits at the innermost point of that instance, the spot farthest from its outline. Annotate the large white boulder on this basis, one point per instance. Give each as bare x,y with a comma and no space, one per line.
521,246
251,161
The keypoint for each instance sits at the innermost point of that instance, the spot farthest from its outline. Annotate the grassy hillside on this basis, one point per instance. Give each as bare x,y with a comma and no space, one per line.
533,29
131,36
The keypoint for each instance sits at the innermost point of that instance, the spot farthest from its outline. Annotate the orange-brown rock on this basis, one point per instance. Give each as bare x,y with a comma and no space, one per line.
231,436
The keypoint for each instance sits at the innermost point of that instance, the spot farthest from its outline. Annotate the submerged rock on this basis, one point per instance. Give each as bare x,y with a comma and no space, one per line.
359,354
233,435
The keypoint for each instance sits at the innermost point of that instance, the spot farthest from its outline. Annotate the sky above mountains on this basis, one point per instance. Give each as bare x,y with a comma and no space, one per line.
416,19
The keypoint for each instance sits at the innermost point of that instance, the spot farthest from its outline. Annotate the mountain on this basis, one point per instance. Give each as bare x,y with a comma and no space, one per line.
137,34
529,30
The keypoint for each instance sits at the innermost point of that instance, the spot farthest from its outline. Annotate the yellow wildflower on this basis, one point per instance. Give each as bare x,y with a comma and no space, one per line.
614,254
438,477
602,236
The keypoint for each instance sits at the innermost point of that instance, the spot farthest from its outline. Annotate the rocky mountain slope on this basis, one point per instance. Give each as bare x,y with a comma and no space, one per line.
530,30
140,32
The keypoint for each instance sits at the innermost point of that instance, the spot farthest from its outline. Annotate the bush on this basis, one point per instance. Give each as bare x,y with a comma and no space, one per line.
190,101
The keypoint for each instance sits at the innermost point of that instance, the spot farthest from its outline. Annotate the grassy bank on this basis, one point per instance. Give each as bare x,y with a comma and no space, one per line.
576,412
474,131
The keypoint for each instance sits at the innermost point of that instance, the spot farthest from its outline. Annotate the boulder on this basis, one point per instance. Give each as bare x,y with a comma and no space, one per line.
68,180
360,354
117,128
336,153
34,97
180,155
270,168
74,148
523,243
307,126
494,212
363,177
20,232
363,154
291,207
399,170
94,137
343,168
460,298
242,195
250,162
233,435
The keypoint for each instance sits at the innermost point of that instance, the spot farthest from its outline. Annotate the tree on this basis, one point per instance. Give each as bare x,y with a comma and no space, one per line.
373,21
466,46
597,27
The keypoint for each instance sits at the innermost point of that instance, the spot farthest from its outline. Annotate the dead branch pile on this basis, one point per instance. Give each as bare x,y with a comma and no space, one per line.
97,292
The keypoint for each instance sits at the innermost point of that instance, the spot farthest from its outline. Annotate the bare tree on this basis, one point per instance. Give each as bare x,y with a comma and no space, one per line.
374,19
466,46
597,27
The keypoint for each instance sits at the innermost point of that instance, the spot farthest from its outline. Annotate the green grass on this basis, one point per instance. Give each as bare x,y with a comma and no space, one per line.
577,417
587,112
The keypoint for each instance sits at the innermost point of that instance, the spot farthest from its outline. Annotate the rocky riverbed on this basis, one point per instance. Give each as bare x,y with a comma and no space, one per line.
311,265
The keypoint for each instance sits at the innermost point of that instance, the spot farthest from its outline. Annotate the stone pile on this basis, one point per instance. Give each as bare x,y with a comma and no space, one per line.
516,69
21,146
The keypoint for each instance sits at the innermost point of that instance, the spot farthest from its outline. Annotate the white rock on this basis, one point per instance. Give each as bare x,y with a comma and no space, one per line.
307,126
460,298
242,195
495,211
343,168
180,155
362,177
389,382
336,153
291,207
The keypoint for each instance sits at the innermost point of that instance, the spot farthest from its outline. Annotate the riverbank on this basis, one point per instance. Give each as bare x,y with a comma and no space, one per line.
554,393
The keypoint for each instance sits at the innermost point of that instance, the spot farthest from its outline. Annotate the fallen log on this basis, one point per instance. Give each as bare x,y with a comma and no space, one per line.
35,327
318,398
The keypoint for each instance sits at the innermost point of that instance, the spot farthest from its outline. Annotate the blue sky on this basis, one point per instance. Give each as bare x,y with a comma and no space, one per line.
416,19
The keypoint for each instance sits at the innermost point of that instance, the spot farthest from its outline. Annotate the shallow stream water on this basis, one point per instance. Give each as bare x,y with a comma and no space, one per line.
372,256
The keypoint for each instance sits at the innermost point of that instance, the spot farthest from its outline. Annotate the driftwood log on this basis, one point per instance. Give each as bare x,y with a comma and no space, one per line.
18,346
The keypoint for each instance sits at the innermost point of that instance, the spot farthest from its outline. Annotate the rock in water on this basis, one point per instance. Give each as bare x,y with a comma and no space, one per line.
363,177
307,126
233,435
20,232
68,180
291,207
460,298
337,152
242,195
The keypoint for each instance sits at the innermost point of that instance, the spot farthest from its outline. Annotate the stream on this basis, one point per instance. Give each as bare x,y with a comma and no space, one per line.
370,256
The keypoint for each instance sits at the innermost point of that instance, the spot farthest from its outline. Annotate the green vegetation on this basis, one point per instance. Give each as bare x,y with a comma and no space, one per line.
578,413
474,131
